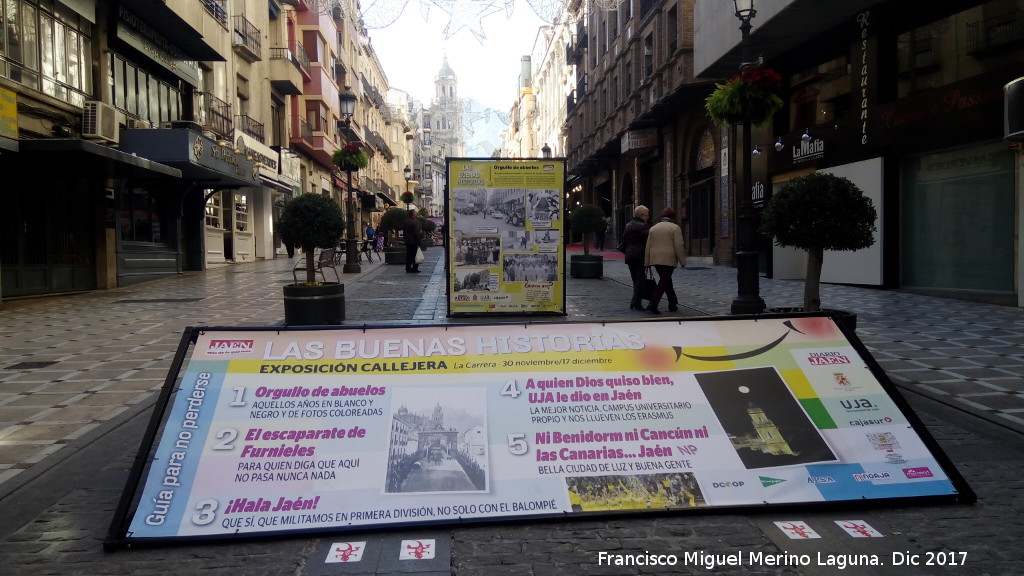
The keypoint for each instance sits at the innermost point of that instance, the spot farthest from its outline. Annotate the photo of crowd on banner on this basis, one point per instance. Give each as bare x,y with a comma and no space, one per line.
639,492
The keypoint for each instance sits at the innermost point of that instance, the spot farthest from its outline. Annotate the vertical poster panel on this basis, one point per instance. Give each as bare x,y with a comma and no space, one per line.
505,236
274,431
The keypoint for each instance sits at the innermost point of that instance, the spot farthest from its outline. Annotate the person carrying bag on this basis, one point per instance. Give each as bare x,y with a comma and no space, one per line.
634,241
664,249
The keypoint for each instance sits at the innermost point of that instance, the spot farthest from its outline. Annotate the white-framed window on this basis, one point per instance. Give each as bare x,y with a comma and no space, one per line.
214,212
241,213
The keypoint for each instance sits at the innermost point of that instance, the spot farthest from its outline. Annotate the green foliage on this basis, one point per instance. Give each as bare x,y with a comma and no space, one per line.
407,197
428,226
311,221
820,211
753,92
350,158
586,220
393,219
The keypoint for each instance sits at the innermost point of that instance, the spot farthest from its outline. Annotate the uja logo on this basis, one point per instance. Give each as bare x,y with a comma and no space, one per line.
230,347
858,405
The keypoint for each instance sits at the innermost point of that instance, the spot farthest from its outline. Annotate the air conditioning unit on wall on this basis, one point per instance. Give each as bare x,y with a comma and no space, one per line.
136,124
99,120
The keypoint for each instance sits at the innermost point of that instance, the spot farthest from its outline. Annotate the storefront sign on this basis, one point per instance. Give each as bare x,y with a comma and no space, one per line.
135,32
505,235
638,141
8,114
272,431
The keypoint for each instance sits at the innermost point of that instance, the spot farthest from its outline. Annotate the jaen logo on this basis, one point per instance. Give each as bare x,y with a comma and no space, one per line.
230,347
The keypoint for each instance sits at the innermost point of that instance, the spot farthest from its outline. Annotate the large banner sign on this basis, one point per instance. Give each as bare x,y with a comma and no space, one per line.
272,431
505,236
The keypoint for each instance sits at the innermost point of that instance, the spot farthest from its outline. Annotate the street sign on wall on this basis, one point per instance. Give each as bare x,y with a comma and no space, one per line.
276,431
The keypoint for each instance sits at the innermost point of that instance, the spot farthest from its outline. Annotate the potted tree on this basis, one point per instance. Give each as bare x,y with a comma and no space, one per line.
752,93
428,227
587,220
819,212
390,223
312,221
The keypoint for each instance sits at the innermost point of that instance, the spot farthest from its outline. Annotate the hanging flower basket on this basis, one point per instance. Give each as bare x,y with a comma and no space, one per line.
407,197
751,94
350,158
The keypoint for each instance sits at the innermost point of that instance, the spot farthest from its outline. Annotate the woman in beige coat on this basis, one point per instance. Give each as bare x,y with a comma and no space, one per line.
664,249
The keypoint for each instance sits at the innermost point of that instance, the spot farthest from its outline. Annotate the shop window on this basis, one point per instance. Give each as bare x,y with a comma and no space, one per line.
820,94
46,48
214,212
140,217
241,213
142,94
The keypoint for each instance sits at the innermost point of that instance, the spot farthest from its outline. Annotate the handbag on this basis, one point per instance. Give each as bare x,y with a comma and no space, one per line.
420,258
647,284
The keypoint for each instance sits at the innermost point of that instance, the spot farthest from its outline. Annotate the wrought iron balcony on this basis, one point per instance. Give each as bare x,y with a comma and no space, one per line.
246,41
996,34
284,72
250,126
214,114
303,60
218,9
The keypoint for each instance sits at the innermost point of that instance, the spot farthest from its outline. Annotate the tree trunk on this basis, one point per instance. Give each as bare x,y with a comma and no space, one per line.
812,282
310,265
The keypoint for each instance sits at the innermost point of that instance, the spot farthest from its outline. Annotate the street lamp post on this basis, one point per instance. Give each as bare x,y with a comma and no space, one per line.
408,181
348,108
748,299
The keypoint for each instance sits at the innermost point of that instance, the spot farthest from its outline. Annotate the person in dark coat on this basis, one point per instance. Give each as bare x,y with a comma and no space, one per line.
412,233
634,242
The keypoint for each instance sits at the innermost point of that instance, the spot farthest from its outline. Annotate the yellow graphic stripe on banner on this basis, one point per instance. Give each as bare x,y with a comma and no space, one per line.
646,360
798,383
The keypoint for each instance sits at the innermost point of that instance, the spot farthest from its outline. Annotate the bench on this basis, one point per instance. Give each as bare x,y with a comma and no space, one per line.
324,260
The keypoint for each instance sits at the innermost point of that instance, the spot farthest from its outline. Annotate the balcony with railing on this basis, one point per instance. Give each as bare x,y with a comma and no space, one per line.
246,40
285,76
995,34
250,126
305,131
214,114
303,60
218,9
921,55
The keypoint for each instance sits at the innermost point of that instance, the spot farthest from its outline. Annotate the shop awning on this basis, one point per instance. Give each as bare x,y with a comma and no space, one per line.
165,21
199,158
122,165
387,201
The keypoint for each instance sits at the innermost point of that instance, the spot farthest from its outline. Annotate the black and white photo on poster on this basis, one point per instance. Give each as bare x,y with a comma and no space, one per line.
530,268
475,280
489,210
438,441
517,241
546,239
543,205
764,421
477,250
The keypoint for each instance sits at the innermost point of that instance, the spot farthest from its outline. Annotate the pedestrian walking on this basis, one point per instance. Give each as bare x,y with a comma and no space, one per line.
633,245
664,249
600,236
411,232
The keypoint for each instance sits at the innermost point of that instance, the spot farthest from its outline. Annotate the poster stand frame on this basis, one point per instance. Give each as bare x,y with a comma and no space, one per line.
119,538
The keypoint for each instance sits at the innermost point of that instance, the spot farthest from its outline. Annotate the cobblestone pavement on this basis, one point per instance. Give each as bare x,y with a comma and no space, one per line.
79,375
